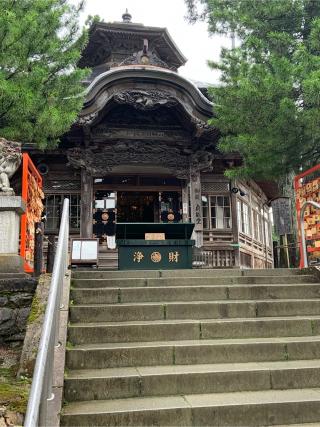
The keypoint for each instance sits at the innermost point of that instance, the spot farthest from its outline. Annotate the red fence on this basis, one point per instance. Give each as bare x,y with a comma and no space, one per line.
307,187
32,195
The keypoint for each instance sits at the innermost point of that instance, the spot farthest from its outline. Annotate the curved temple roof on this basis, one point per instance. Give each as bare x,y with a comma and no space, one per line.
146,79
114,42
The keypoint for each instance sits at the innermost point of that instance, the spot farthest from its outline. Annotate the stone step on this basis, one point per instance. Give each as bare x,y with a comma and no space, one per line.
109,265
108,255
191,281
193,293
175,330
101,274
298,425
99,356
143,381
4,276
226,272
193,310
193,347
241,409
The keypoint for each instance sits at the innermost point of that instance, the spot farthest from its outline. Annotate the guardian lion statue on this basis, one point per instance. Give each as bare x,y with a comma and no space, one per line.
10,159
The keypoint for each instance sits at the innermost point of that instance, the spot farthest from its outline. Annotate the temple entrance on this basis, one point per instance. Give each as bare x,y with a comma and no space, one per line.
137,206
113,204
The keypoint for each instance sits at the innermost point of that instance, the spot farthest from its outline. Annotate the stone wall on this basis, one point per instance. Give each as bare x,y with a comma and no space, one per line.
16,296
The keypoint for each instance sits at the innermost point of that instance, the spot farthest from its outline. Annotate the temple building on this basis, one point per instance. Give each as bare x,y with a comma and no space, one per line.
142,151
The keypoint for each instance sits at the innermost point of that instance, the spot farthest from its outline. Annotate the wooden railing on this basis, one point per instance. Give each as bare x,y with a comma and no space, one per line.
215,258
211,237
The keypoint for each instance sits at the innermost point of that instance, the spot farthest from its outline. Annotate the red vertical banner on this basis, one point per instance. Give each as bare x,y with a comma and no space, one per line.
307,188
32,195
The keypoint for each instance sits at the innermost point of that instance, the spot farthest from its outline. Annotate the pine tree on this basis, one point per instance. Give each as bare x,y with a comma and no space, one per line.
268,103
40,84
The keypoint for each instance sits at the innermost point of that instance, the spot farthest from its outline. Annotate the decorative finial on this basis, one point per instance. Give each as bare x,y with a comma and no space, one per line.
126,17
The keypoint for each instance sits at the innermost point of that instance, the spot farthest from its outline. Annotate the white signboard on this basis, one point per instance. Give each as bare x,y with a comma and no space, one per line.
76,249
110,204
185,208
84,251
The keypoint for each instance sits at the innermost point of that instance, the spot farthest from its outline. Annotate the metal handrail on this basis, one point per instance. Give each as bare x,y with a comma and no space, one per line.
303,235
41,388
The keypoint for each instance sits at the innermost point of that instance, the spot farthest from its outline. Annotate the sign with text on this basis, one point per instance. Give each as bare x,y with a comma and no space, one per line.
154,236
84,251
155,255
282,215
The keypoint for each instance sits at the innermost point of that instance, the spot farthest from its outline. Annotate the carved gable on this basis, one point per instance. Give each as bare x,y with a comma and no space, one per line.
127,115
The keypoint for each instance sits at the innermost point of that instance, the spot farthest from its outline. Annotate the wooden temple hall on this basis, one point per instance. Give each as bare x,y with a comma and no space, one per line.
142,151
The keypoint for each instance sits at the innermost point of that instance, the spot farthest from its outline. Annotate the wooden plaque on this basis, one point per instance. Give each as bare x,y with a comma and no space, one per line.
154,236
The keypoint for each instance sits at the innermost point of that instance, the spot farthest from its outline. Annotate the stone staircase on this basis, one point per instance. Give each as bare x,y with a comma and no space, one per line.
108,258
193,348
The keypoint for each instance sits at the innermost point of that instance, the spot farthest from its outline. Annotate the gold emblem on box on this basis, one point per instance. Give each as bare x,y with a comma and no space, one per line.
156,257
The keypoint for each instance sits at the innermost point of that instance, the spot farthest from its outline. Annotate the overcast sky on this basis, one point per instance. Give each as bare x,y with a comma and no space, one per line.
192,40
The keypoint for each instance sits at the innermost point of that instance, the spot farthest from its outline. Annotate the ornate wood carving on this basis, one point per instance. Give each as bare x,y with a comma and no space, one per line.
129,117
202,159
106,132
87,119
100,159
146,57
152,138
203,128
145,100
136,107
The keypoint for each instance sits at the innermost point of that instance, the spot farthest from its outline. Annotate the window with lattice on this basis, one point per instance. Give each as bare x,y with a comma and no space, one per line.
244,223
53,210
216,212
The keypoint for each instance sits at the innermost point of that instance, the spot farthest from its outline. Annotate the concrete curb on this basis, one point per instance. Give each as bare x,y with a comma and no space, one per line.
55,405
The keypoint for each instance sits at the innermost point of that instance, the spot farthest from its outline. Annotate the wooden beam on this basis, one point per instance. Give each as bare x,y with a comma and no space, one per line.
196,208
86,204
234,219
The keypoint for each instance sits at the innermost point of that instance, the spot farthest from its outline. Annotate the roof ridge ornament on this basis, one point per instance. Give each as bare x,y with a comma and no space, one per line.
126,17
145,57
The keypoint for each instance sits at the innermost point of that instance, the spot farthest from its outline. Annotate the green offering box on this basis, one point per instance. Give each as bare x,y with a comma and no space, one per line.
172,253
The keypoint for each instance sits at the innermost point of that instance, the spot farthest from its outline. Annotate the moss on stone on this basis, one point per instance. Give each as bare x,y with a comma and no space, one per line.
5,293
36,310
13,393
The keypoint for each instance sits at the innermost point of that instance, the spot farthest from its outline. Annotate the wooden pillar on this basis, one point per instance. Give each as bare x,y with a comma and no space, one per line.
38,248
196,208
86,204
185,202
51,252
235,230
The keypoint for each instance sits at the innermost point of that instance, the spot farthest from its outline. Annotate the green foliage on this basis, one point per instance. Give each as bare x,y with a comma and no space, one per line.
93,19
40,84
268,104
